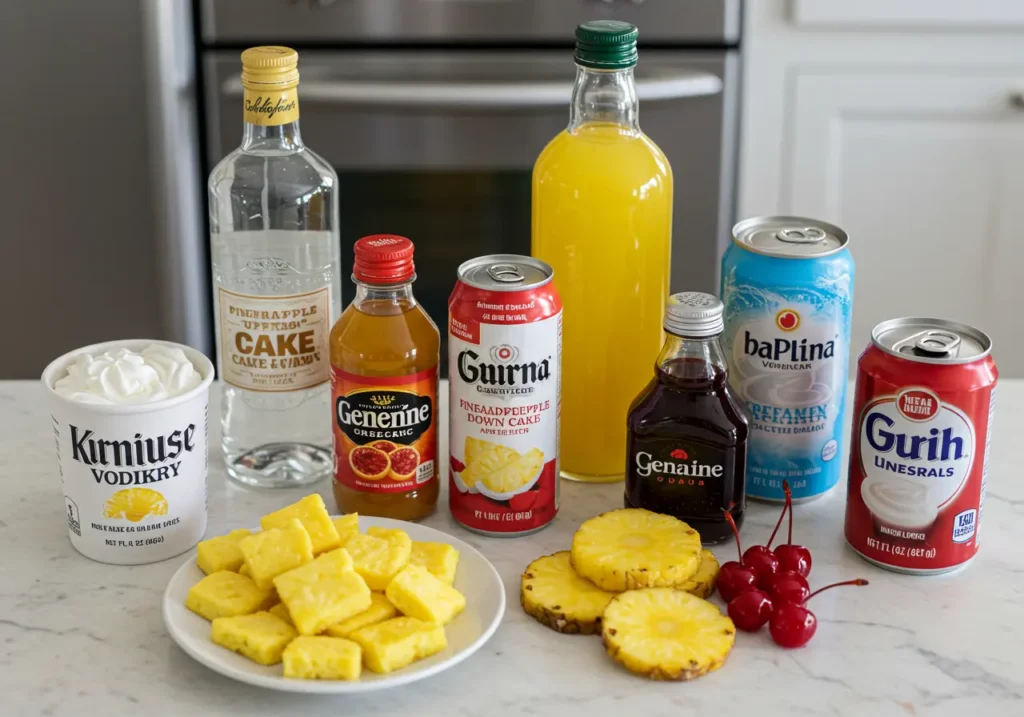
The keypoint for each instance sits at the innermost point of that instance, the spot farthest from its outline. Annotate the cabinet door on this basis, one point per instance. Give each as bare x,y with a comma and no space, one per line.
926,172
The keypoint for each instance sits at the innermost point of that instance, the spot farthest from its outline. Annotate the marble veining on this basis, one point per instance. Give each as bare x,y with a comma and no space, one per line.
81,638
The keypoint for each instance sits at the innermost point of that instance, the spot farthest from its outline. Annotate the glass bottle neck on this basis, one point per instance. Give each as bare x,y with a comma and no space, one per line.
384,298
604,96
692,359
277,138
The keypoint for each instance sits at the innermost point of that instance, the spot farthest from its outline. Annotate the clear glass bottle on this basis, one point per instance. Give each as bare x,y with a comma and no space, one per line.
276,262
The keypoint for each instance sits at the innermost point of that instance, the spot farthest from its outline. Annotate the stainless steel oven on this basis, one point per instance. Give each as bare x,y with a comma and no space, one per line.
433,112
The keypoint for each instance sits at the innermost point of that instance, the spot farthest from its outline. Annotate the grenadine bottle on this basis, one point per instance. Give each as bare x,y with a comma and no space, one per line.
687,447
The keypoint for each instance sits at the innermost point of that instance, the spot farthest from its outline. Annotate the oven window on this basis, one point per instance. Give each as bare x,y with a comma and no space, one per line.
451,216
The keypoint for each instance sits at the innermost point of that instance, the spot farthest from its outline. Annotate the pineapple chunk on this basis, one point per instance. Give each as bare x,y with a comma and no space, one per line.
276,551
379,559
313,514
556,596
380,610
635,548
281,610
417,593
347,526
666,634
261,637
702,584
398,642
440,559
227,594
244,570
323,592
323,658
221,553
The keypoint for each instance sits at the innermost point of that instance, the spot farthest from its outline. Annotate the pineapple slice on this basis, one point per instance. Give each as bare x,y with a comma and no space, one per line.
702,584
440,559
378,559
634,548
227,594
380,610
322,658
417,593
516,474
552,592
347,526
313,515
276,551
221,553
261,637
666,634
323,592
395,643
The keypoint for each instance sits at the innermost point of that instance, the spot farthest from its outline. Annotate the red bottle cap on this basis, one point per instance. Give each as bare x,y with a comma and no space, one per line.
383,259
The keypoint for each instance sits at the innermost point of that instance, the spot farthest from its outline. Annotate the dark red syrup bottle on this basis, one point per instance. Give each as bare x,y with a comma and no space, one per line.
687,449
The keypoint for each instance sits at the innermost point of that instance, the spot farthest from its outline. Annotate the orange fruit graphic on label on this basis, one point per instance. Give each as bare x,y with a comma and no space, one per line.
134,504
369,463
403,463
386,446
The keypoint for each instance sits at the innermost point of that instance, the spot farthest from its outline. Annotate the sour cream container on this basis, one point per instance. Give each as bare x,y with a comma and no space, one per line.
130,425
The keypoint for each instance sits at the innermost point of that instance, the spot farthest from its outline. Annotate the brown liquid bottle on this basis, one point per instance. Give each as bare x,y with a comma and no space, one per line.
687,445
384,356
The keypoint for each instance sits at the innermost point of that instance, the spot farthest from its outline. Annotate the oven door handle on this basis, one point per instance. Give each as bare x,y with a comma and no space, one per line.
485,96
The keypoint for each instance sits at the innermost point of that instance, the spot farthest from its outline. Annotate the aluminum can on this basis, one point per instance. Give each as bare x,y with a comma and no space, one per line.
919,452
504,382
787,286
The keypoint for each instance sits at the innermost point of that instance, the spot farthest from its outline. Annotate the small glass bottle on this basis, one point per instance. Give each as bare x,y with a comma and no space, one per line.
384,355
687,447
276,263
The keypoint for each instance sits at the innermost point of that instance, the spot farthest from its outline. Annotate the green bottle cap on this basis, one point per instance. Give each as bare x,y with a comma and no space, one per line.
606,45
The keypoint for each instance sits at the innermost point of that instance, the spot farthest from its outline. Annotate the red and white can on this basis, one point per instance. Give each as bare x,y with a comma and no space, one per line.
504,382
919,454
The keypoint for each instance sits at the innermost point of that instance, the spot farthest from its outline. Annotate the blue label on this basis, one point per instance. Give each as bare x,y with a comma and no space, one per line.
787,339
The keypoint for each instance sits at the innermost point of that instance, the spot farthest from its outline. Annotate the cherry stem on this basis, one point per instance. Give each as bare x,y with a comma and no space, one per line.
778,524
789,507
735,530
858,581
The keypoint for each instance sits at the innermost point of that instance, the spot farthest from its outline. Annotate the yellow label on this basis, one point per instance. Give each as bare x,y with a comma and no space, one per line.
271,107
274,343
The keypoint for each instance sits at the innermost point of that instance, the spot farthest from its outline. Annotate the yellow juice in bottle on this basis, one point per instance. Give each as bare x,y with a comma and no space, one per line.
602,217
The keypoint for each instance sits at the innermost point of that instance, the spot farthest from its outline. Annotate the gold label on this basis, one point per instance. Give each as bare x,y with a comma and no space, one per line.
274,343
271,107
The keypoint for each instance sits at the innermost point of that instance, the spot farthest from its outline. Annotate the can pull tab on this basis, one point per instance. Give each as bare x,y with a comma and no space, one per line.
505,273
796,235
931,343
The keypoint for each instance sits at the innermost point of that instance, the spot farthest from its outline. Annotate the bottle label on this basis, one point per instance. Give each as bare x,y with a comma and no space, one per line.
274,343
385,430
269,108
679,477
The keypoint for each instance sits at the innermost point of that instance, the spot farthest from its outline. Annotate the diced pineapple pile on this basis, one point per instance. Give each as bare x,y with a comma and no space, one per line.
640,579
324,599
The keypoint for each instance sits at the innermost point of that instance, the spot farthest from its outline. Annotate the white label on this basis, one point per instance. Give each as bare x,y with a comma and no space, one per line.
274,343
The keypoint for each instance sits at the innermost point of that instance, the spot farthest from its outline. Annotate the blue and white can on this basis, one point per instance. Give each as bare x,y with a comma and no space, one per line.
787,286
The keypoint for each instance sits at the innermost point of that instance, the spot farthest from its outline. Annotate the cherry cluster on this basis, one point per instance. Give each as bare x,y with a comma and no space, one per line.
770,586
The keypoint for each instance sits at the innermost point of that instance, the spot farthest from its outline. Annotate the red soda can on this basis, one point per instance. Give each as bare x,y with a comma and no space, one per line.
504,364
919,454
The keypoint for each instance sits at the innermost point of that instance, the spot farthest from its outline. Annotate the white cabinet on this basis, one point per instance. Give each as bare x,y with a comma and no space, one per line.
921,162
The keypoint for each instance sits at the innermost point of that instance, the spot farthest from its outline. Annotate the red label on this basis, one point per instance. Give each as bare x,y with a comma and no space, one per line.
521,512
918,461
385,433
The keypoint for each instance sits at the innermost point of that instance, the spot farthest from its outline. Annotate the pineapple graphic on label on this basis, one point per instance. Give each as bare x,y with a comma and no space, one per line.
500,470
134,504
516,475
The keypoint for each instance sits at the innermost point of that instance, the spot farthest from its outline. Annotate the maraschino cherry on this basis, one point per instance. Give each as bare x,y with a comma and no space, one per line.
793,625
750,610
792,557
788,586
734,577
762,559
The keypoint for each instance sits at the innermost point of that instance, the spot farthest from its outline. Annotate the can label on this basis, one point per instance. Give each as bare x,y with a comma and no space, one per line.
787,343
504,353
917,468
385,433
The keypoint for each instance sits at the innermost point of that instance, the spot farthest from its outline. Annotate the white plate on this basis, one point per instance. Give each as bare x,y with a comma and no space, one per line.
476,579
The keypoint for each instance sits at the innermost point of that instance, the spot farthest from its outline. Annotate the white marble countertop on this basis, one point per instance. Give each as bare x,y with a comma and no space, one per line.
81,638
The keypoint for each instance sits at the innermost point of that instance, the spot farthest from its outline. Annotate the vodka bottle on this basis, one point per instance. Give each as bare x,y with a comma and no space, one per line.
276,284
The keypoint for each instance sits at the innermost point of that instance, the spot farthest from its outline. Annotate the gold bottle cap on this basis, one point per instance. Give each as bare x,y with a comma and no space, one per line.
270,66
